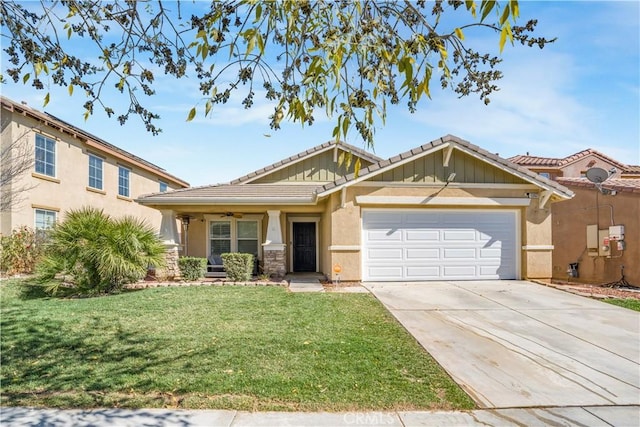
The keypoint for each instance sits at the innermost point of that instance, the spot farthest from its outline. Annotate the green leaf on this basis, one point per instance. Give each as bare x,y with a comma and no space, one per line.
505,15
515,8
46,100
25,78
207,108
459,34
70,90
192,114
486,7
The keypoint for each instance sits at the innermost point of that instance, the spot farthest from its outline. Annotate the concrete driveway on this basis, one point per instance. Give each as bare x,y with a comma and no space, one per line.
520,344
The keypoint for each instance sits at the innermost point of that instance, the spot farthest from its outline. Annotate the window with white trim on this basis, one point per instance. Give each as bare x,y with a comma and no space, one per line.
45,159
95,172
44,219
163,186
123,181
234,235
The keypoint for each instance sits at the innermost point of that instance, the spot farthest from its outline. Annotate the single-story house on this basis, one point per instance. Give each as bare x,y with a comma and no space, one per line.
445,210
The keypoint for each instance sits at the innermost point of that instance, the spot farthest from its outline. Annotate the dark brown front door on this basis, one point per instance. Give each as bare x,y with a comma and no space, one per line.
304,246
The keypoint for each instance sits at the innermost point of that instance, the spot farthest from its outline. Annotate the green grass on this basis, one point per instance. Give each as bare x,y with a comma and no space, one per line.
245,348
630,303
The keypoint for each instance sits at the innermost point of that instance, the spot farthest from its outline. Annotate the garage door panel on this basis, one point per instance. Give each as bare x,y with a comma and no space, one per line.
436,245
459,253
413,254
420,272
391,254
385,235
459,271
424,235
459,235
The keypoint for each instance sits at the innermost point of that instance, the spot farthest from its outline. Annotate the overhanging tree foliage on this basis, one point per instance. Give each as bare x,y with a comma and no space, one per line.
347,59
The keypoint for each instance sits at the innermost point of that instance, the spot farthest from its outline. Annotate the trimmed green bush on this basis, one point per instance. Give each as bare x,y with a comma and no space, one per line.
192,268
20,251
238,266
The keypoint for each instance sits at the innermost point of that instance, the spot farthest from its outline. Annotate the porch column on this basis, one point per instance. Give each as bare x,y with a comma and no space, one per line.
274,248
170,238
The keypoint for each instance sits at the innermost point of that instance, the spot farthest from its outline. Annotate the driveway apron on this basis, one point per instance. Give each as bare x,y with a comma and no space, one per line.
519,344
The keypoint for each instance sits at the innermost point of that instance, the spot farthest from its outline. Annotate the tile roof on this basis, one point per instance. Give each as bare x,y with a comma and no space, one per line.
513,168
236,194
292,159
620,185
526,160
68,128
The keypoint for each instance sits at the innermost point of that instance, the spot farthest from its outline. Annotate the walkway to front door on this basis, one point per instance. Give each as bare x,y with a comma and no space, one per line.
519,344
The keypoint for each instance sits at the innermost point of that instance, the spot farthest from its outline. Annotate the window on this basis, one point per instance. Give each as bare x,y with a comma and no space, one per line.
45,162
44,219
163,187
123,181
234,236
247,235
545,175
95,172
220,232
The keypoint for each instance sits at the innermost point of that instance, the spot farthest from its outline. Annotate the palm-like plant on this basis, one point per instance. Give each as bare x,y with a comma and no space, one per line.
98,253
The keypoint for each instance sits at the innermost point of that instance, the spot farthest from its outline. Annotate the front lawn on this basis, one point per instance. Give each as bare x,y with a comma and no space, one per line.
245,348
630,303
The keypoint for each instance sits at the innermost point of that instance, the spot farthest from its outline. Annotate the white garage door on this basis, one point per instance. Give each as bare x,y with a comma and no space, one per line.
438,245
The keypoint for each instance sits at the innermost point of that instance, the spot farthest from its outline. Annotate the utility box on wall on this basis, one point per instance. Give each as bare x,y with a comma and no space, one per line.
616,232
593,245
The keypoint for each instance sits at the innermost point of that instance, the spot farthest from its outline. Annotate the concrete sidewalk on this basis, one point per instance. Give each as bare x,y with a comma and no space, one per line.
568,416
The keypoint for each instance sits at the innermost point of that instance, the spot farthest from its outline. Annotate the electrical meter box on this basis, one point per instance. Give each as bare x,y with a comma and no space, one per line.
616,232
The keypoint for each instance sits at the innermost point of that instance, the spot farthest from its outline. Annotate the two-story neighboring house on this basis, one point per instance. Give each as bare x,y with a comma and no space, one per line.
67,168
596,234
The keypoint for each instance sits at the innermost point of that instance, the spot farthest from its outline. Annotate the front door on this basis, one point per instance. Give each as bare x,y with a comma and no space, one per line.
304,247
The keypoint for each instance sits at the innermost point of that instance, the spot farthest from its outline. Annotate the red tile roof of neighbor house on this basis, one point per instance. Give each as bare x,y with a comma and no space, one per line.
527,160
631,185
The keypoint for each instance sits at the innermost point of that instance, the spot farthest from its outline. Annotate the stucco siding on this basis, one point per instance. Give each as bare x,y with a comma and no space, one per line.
570,220
69,188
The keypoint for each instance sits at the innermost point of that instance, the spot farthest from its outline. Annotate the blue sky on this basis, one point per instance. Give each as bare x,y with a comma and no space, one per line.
581,92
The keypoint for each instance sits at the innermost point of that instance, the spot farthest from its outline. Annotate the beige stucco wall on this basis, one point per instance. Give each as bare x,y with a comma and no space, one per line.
570,220
535,227
69,189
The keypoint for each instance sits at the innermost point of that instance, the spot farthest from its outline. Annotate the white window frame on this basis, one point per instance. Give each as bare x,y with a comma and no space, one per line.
128,187
234,230
46,212
101,178
161,184
44,162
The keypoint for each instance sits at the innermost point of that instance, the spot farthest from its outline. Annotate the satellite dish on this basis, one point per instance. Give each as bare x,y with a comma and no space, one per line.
597,175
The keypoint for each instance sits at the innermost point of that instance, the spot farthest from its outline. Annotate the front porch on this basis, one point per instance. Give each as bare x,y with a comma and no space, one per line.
281,241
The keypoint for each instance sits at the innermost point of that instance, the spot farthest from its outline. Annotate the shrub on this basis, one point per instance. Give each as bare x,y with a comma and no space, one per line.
192,268
238,266
99,254
20,251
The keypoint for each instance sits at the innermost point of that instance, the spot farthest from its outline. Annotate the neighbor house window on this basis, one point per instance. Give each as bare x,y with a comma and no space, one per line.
123,181
45,162
163,187
95,172
234,236
44,219
545,175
